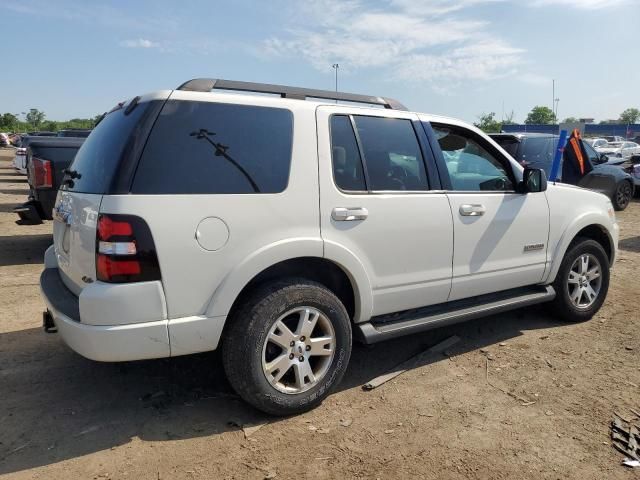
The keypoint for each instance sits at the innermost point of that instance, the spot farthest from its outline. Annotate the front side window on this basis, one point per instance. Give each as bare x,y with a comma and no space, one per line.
216,148
471,166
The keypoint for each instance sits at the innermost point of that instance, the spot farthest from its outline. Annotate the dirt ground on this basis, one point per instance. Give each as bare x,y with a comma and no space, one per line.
520,396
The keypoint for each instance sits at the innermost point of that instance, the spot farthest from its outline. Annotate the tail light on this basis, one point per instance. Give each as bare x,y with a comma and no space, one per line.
42,173
125,251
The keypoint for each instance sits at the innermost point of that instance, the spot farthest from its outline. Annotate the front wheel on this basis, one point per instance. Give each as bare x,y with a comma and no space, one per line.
582,282
623,195
287,346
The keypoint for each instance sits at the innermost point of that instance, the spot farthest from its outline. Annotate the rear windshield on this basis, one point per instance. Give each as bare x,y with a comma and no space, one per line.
216,148
99,158
538,153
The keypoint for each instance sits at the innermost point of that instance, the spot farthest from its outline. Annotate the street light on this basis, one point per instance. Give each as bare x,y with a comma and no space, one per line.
335,66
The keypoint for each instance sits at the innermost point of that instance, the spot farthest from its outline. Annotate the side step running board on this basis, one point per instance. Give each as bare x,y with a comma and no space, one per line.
385,327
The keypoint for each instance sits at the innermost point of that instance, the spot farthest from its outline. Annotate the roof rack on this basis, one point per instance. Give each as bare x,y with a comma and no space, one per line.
208,84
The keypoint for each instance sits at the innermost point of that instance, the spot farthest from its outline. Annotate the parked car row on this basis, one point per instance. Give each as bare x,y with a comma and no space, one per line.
538,150
613,149
44,157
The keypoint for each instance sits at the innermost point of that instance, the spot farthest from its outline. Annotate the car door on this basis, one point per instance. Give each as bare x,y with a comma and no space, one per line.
500,236
599,179
378,206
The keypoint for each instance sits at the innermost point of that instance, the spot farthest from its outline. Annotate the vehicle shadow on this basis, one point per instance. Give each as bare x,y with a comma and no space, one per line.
57,405
631,244
15,191
8,207
23,249
12,180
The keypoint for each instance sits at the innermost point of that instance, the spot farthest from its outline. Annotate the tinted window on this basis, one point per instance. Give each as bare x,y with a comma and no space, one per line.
538,153
201,147
594,156
509,144
347,165
98,159
391,153
471,166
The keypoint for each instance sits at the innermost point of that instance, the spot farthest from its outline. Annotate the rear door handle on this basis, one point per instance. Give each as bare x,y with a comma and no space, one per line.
472,210
342,214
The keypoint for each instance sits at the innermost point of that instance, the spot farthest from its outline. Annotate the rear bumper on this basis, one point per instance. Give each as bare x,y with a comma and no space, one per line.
104,343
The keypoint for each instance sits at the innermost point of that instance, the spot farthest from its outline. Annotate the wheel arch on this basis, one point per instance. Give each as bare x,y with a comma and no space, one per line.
345,276
583,228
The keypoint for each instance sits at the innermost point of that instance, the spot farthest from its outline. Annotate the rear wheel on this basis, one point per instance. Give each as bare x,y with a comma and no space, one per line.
287,347
582,282
623,195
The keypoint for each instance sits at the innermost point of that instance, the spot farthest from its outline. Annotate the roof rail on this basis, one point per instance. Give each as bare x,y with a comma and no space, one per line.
208,84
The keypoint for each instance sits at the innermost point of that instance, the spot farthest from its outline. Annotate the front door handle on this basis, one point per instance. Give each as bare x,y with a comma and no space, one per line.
474,210
342,214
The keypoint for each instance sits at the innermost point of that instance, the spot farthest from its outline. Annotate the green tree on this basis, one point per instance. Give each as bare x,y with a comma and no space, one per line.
571,120
488,123
8,121
35,117
540,115
630,115
50,126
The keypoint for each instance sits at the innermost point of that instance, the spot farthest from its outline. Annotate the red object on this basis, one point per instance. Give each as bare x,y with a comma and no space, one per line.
108,267
43,176
108,228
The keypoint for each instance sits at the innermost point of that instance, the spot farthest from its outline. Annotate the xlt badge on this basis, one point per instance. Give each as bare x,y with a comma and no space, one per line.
533,246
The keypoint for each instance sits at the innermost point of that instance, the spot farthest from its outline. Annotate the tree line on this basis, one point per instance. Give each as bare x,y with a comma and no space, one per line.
541,115
36,120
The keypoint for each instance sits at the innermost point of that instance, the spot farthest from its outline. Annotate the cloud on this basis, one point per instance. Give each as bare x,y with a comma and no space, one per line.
411,40
583,4
534,79
139,43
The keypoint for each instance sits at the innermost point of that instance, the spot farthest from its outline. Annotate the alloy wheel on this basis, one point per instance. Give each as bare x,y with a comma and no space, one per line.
298,350
584,281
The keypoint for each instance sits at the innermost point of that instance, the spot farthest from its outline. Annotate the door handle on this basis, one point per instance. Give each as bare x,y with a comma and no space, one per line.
342,214
474,210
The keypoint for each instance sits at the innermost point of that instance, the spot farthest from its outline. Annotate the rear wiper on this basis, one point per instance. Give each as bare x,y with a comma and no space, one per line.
221,151
72,173
69,176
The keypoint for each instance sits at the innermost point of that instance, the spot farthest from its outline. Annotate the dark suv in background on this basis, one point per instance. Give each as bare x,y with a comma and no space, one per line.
536,150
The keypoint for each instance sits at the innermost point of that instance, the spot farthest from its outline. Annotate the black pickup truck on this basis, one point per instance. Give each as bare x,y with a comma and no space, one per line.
47,159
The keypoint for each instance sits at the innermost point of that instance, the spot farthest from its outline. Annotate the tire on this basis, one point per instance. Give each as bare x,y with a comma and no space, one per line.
622,195
252,359
563,305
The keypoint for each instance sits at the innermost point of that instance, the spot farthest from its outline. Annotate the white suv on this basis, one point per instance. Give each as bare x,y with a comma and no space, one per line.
279,229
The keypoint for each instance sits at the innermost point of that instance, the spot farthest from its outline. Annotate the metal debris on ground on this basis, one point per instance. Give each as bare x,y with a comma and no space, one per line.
626,439
412,363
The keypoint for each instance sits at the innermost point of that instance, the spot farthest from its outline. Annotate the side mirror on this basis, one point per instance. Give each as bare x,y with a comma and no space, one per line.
604,158
533,180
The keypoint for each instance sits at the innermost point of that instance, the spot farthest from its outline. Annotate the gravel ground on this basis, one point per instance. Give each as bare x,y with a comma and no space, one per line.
520,396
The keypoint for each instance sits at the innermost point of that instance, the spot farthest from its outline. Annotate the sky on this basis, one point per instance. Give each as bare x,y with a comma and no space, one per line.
459,58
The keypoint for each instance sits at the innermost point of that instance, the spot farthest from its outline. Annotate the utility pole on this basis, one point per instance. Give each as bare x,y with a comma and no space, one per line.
553,97
335,66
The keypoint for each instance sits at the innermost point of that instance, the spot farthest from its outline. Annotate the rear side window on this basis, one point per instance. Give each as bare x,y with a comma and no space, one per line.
216,148
391,153
347,164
